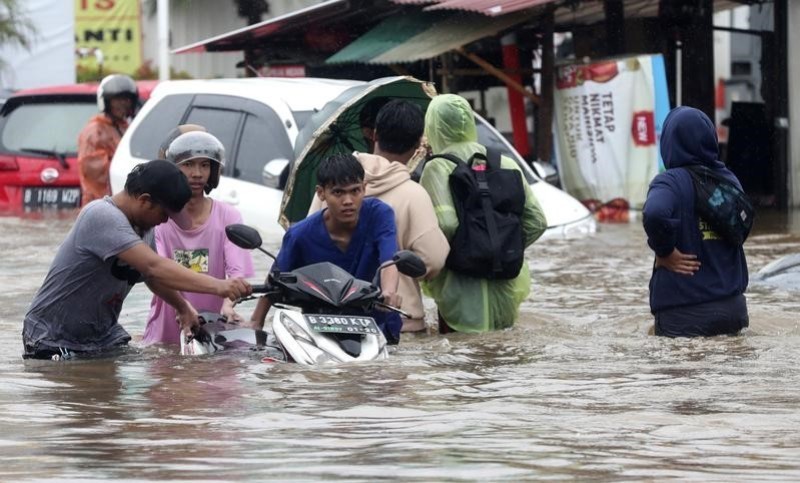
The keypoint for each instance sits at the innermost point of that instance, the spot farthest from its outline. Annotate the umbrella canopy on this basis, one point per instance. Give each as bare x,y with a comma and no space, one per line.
336,129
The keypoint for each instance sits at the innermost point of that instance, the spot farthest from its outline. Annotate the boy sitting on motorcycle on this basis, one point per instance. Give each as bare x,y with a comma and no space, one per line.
354,233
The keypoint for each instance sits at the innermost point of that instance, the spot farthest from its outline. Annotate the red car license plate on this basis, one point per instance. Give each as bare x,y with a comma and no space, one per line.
51,198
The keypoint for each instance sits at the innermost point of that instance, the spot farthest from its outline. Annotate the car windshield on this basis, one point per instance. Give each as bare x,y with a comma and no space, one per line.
52,126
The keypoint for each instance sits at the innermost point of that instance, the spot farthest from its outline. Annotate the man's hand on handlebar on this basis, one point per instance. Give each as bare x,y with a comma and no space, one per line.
392,299
233,288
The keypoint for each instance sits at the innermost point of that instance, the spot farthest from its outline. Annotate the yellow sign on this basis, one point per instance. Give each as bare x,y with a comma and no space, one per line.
108,36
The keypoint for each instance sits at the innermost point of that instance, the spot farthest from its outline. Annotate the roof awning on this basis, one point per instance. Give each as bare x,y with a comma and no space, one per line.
421,36
567,13
360,14
292,22
485,7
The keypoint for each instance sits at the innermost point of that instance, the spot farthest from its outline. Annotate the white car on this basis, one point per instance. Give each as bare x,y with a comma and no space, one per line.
257,120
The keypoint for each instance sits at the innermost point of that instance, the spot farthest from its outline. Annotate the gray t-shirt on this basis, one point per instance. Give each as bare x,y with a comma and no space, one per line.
78,305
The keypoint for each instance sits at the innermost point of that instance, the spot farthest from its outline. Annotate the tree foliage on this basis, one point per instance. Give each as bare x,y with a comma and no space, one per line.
15,27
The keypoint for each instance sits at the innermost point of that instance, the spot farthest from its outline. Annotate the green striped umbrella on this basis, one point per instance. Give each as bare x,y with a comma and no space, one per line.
335,129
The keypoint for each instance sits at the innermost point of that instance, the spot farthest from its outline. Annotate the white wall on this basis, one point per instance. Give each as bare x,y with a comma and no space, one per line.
201,20
793,51
51,57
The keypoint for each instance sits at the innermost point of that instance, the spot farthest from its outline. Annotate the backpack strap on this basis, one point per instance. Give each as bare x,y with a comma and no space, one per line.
492,159
492,162
416,175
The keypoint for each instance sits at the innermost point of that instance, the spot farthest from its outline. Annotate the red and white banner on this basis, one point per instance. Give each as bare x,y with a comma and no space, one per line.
606,128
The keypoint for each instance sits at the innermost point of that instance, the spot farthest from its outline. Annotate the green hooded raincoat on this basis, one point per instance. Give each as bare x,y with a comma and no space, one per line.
470,304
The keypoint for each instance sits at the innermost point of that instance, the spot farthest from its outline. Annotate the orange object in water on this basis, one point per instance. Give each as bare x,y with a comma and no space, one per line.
614,211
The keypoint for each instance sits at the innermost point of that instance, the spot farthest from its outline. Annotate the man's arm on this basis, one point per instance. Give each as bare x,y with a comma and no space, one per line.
385,236
288,259
260,313
187,315
435,180
431,246
390,278
170,275
660,218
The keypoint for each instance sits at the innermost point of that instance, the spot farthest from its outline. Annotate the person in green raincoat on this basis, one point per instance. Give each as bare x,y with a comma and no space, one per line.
468,304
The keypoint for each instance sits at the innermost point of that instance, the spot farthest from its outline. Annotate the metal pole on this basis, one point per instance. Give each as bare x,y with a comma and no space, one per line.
163,39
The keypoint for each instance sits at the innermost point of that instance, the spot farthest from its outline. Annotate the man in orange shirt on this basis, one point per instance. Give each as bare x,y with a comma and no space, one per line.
117,100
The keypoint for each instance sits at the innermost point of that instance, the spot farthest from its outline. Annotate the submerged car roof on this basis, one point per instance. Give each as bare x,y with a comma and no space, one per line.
300,93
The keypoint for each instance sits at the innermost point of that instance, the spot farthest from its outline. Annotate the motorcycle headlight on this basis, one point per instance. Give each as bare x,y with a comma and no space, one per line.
296,330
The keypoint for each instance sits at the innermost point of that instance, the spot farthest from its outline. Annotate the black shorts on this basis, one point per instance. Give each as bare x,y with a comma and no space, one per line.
726,316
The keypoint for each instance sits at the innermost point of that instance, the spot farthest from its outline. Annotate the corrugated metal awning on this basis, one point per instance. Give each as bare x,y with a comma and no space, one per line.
421,36
567,13
294,21
485,7
336,12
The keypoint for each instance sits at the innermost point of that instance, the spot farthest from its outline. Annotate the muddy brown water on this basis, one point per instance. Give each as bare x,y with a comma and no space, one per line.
577,390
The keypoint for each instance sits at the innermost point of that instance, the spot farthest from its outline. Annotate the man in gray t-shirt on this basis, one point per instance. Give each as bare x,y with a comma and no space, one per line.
109,249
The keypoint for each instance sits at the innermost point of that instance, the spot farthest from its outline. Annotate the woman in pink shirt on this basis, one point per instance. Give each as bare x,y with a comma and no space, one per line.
198,241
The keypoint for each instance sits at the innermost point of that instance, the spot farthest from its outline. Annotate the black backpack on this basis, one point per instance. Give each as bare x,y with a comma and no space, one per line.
722,205
489,202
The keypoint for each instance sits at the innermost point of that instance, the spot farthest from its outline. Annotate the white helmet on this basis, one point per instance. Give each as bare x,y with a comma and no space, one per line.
116,85
199,145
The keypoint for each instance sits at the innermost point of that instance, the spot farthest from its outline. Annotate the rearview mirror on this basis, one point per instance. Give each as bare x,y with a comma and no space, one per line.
409,264
271,174
243,236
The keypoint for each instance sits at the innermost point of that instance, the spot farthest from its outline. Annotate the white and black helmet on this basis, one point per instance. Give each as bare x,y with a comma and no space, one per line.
116,85
199,145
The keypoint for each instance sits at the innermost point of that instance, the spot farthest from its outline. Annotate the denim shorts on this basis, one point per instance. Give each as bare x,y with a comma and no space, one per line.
726,316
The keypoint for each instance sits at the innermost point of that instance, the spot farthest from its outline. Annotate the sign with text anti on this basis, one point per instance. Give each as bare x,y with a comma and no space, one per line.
108,35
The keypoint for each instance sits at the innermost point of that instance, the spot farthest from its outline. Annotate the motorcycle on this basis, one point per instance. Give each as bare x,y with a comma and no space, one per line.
321,312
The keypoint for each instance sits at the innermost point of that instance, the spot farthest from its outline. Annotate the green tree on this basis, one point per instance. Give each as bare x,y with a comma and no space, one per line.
15,27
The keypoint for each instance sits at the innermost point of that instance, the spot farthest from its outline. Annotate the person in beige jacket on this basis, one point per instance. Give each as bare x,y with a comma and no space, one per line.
398,130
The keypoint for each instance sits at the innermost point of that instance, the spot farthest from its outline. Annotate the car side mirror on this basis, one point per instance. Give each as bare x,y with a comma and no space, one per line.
546,172
271,174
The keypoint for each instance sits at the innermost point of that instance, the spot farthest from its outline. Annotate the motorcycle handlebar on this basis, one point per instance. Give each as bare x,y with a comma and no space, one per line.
393,309
260,288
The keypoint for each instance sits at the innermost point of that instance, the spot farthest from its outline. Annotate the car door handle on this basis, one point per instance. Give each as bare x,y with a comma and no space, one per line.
232,198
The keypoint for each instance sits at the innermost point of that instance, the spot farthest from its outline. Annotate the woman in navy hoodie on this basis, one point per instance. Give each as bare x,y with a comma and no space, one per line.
698,282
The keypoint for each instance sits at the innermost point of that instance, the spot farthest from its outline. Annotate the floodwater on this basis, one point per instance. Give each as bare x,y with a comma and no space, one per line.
577,390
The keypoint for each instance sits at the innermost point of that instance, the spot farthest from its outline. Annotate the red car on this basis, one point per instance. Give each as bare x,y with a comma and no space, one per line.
38,146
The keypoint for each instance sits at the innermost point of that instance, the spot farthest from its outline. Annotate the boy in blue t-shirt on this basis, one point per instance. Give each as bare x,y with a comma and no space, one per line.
354,233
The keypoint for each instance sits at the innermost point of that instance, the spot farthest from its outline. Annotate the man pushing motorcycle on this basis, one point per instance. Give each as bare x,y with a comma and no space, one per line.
354,233
108,250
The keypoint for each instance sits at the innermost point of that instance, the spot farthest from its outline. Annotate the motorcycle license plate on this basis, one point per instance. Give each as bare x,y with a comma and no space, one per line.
342,324
35,198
